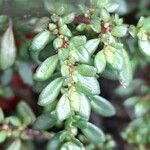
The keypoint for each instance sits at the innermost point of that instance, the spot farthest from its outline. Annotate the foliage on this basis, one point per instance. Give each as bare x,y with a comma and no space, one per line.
71,50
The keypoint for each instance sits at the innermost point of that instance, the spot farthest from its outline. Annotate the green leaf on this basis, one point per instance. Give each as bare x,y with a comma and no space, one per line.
7,48
119,31
46,69
64,30
71,146
80,103
40,40
63,53
111,7
93,133
16,145
86,70
25,113
78,40
101,3
25,72
100,62
102,106
87,85
92,45
69,18
6,77
83,55
45,121
96,24
144,47
1,115
144,24
63,109
13,120
50,93
104,14
57,140
85,108
59,7
114,59
125,75
140,110
3,136
132,101
42,24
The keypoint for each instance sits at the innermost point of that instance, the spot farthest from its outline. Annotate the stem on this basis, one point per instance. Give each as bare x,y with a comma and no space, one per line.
29,132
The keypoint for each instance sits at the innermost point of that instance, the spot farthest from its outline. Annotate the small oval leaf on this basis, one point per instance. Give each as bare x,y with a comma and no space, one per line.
8,48
86,70
101,106
144,47
100,62
45,121
125,75
92,45
50,93
93,133
119,31
63,108
40,40
46,69
87,85
26,113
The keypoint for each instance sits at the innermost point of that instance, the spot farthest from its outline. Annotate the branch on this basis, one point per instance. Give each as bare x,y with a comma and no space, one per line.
29,132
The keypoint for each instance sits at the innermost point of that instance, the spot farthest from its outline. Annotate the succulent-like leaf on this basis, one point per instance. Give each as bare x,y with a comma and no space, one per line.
125,75
88,85
45,121
100,62
93,133
50,93
85,108
86,70
144,47
64,30
96,24
63,109
7,48
25,113
92,45
78,40
119,31
46,69
83,55
40,40
101,106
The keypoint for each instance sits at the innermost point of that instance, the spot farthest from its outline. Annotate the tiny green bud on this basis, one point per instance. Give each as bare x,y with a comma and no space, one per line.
52,26
58,43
